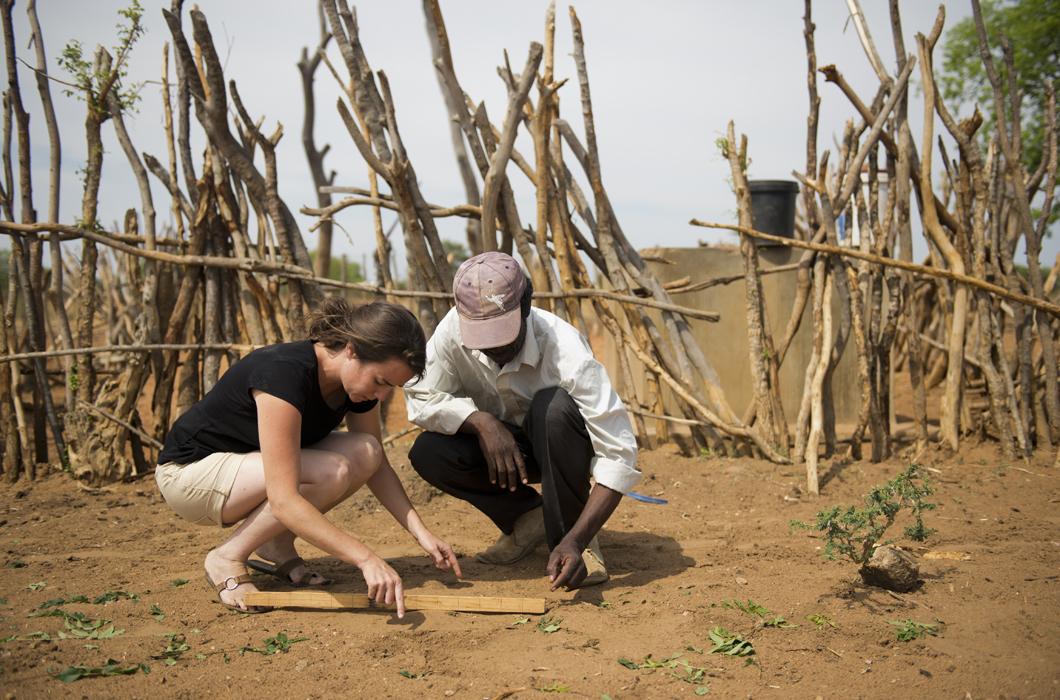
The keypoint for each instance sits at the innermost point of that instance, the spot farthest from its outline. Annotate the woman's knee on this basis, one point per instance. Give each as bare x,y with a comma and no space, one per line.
366,457
337,470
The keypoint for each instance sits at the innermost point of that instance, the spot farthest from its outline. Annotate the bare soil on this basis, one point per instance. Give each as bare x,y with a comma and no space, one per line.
989,581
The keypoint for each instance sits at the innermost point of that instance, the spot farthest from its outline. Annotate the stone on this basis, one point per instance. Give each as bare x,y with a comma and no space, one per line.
892,569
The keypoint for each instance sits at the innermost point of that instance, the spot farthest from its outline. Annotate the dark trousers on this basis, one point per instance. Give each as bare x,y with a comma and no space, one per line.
557,452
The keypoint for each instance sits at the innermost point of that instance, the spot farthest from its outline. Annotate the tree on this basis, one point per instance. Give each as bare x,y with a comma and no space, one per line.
1032,27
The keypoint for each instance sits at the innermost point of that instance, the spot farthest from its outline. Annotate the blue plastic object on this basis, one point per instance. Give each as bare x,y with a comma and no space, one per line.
646,499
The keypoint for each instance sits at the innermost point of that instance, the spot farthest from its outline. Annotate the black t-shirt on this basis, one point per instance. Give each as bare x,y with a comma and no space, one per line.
226,420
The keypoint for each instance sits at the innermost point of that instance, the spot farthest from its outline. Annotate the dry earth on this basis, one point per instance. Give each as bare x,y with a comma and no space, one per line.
723,536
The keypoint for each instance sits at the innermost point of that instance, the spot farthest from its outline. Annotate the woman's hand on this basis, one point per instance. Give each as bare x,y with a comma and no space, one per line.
440,551
384,585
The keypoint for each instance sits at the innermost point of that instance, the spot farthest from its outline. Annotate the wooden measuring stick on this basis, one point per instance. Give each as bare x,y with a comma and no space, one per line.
413,601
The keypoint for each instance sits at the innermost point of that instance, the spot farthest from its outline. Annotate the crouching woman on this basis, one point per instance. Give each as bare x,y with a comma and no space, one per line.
261,450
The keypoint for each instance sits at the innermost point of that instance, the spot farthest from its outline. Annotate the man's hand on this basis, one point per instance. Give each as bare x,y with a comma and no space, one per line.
565,566
503,457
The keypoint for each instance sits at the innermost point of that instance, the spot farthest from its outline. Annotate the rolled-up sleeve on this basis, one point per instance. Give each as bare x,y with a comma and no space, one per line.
610,430
433,402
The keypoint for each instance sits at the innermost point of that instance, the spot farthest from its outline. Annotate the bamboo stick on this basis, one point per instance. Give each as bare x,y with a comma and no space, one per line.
323,600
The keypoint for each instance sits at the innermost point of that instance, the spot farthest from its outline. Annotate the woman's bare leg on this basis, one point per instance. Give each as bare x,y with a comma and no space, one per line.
330,472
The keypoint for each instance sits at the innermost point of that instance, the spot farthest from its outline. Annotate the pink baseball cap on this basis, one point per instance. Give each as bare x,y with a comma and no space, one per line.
488,289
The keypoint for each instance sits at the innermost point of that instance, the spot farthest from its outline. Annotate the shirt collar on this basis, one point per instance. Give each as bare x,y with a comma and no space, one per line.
529,354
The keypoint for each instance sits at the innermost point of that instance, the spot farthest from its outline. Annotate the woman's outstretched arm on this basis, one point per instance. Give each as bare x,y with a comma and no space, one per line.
387,487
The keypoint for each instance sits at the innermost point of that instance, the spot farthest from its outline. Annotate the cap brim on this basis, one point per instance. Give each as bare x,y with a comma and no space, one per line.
487,333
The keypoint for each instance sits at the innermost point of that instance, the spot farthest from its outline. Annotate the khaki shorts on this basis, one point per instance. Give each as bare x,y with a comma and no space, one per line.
197,491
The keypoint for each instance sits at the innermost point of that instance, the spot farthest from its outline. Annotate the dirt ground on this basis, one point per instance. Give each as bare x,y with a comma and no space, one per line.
990,582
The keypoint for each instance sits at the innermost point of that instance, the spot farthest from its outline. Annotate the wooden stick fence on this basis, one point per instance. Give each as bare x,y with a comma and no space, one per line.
235,274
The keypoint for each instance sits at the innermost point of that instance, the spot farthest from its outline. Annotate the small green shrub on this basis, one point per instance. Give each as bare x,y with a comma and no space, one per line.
854,532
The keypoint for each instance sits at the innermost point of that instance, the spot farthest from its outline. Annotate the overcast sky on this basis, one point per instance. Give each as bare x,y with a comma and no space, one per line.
666,77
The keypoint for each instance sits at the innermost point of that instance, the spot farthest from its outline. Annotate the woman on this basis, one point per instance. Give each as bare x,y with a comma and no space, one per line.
260,448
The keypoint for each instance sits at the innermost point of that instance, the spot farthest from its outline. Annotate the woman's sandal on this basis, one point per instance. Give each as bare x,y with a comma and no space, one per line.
283,572
230,584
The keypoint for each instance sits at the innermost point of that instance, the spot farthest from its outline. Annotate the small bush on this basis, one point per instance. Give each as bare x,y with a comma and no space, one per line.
854,532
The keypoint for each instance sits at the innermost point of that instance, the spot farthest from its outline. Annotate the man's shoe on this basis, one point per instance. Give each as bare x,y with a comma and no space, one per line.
593,559
528,534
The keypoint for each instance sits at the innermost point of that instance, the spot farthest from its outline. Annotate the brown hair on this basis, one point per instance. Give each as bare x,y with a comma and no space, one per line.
377,332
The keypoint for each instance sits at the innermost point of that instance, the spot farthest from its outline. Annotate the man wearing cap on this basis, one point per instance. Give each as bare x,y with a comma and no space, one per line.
512,395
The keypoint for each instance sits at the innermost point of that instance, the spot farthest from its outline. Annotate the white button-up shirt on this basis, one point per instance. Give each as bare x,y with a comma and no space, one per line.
458,381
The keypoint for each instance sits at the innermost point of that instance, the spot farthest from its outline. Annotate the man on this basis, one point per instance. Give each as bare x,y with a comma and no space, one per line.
512,395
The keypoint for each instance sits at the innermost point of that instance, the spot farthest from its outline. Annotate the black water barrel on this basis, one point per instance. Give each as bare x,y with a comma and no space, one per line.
773,207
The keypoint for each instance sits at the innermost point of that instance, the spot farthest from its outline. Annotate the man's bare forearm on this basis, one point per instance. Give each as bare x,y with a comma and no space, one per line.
601,504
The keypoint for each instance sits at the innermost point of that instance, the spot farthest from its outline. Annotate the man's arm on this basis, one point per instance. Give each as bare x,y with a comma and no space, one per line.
504,459
565,565
613,464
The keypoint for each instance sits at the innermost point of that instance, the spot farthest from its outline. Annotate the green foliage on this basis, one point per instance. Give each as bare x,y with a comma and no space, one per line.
725,642
28,637
176,645
111,596
681,669
413,676
37,586
853,532
156,612
821,621
56,602
75,381
1033,30
354,272
549,624
760,611
93,83
554,687
178,582
80,626
750,607
110,668
908,630
281,643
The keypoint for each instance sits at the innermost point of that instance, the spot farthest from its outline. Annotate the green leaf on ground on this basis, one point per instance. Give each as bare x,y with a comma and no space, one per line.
725,642
821,621
56,602
549,624
681,669
750,607
178,582
176,645
37,586
281,643
554,687
156,612
908,630
110,668
520,621
111,596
